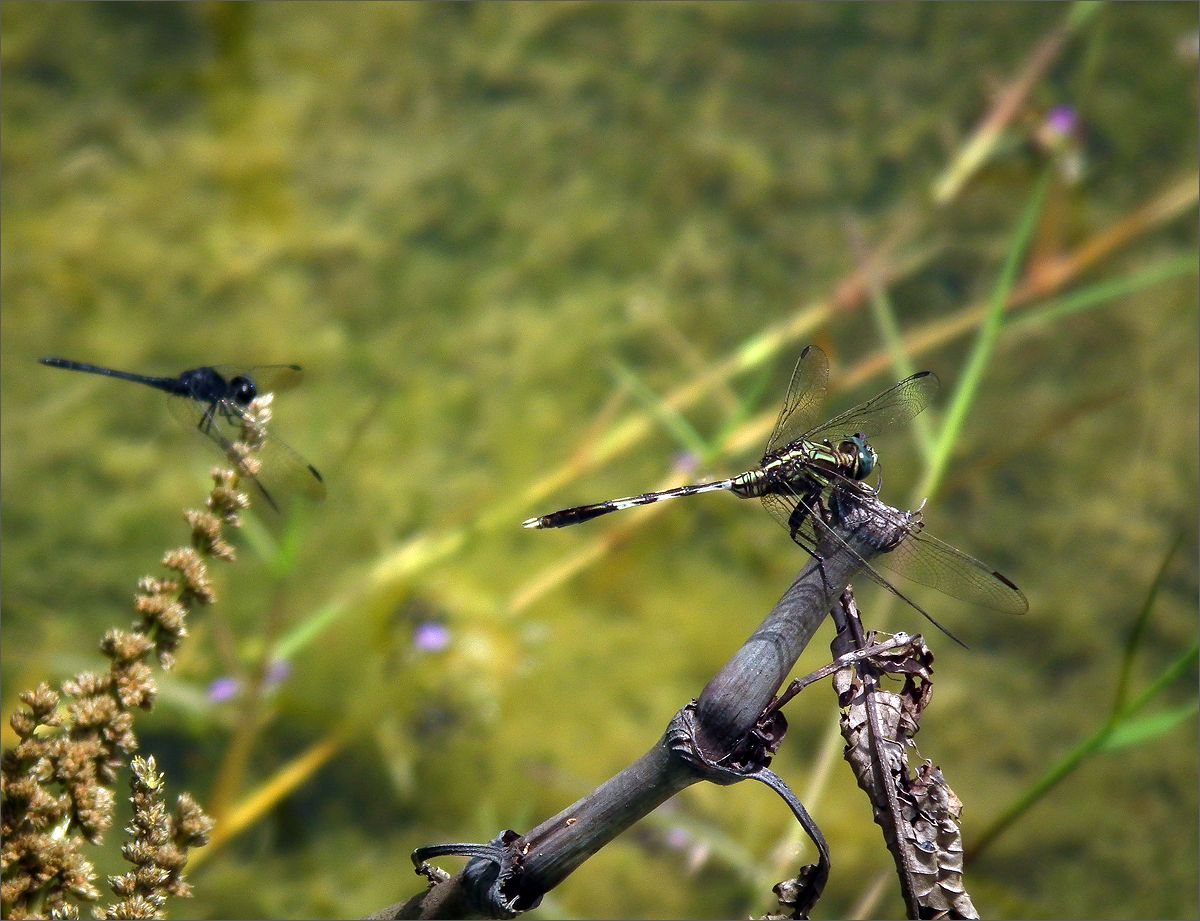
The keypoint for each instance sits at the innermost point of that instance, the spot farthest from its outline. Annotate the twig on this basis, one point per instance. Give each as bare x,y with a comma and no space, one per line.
727,735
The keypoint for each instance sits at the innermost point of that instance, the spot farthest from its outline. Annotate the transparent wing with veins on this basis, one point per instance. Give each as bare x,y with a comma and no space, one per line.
896,405
805,394
284,472
920,556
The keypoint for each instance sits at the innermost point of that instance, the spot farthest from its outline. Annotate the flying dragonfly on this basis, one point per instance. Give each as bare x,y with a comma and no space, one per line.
811,476
214,401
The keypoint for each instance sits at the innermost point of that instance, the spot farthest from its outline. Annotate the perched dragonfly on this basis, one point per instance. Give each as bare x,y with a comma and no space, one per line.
213,400
810,476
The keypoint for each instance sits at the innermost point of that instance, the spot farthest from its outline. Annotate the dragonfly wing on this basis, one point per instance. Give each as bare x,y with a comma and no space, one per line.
267,378
895,405
929,561
805,394
781,509
284,472
190,413
813,531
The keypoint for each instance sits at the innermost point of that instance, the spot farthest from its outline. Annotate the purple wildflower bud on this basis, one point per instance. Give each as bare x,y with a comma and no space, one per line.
223,690
686,462
278,672
431,636
678,838
1062,121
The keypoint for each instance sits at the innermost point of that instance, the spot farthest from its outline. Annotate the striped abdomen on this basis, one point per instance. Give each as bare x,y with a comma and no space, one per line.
582,513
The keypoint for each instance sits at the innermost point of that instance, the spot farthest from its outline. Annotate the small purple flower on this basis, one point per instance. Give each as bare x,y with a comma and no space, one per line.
223,690
1062,121
686,462
678,838
277,673
431,636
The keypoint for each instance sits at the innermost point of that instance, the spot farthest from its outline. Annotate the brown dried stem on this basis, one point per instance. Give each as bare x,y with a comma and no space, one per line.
57,781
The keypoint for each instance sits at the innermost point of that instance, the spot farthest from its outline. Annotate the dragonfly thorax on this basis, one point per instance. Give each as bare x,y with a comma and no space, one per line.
208,386
852,459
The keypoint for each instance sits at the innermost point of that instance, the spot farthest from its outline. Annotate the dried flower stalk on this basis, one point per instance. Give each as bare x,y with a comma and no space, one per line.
56,783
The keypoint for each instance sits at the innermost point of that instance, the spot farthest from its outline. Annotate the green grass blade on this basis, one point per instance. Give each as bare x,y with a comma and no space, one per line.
1139,627
672,421
259,539
1094,296
747,405
1097,741
278,548
1066,765
893,338
307,630
985,342
1135,732
1169,676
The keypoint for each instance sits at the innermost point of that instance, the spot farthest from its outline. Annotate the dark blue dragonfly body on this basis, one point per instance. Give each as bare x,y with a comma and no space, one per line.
213,400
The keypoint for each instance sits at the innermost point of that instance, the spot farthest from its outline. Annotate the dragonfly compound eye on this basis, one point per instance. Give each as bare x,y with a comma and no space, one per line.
243,390
864,453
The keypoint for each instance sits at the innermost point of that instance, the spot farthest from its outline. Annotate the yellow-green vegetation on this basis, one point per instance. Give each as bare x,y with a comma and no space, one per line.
534,256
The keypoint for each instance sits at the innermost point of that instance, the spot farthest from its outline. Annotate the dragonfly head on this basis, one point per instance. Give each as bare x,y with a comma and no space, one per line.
242,390
864,455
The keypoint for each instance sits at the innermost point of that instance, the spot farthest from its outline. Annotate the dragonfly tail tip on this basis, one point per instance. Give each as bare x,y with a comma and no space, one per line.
531,523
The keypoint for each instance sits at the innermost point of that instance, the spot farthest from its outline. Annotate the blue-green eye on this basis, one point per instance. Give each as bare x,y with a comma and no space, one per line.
866,456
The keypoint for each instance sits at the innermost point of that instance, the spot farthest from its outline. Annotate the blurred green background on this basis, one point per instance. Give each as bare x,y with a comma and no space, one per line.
533,256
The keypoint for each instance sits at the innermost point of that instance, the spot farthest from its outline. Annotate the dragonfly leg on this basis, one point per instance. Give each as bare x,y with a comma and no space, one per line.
804,508
206,421
801,512
874,490
230,414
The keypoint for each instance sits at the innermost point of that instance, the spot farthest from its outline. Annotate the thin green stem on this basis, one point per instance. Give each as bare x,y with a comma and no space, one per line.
1139,630
674,422
1120,714
1097,295
893,337
1069,762
985,342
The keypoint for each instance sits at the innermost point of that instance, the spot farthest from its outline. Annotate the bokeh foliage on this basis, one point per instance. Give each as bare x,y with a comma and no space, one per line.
470,223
